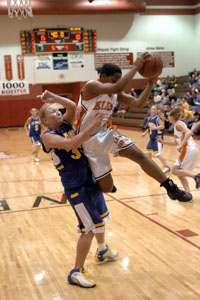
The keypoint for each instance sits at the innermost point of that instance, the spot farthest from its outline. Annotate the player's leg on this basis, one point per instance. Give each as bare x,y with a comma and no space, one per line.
77,275
82,249
184,167
105,184
103,252
184,183
147,164
157,148
153,170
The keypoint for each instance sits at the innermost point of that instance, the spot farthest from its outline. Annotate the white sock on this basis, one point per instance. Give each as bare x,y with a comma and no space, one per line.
101,246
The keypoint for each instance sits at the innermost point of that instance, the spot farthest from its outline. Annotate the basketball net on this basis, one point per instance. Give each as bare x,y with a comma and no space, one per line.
19,8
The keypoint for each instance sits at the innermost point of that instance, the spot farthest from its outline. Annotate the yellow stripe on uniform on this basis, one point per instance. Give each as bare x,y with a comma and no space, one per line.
60,167
99,225
74,195
105,214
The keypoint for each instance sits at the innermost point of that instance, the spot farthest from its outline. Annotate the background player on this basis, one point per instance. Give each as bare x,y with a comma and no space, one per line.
101,96
33,129
187,148
64,147
155,128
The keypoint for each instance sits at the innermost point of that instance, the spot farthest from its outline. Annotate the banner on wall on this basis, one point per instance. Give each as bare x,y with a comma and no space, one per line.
14,88
60,61
20,67
76,60
43,62
123,60
167,58
8,67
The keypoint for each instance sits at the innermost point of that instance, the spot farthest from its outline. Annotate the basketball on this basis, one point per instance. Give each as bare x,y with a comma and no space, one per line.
153,67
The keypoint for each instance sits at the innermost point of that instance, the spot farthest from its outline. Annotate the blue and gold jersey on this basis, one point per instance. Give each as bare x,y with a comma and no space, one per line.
72,165
35,126
153,133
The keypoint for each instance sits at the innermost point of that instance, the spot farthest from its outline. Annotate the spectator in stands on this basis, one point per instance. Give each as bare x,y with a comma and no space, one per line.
197,100
157,98
189,98
172,84
122,109
184,103
186,115
165,113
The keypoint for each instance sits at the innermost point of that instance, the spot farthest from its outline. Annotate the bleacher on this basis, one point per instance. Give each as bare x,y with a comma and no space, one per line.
134,117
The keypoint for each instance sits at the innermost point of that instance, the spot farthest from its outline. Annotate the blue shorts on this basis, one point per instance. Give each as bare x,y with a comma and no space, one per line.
89,206
155,146
36,139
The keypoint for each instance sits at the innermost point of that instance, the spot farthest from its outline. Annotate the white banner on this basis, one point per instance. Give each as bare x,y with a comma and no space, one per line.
14,88
43,62
76,60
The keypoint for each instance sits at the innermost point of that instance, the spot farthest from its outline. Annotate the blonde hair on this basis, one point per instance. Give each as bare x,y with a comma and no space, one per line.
42,111
175,113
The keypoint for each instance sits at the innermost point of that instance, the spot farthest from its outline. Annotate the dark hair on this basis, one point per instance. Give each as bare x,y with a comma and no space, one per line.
110,69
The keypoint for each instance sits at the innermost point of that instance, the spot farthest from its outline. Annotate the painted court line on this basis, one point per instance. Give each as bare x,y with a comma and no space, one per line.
157,223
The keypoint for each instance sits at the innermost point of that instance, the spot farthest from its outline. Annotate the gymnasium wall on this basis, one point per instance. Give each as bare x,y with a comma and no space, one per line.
117,33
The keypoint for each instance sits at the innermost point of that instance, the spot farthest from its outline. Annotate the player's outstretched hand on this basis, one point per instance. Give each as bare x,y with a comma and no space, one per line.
98,119
47,97
141,59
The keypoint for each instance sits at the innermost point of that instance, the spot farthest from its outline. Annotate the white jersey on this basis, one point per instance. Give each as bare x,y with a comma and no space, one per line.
88,107
103,140
179,136
189,154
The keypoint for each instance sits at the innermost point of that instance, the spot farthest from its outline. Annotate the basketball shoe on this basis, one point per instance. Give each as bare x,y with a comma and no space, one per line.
174,192
197,180
166,169
78,277
114,189
105,254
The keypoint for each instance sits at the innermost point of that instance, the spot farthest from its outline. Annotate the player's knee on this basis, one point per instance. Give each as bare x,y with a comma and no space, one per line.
174,171
105,184
105,187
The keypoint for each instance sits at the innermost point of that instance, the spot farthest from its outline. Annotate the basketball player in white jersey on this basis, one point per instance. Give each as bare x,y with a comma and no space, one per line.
101,96
188,151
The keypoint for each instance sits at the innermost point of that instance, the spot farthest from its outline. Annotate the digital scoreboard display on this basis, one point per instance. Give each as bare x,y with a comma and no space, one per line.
51,40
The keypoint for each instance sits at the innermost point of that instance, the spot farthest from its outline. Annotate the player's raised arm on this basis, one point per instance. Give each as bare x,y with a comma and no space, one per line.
141,100
114,83
55,141
49,97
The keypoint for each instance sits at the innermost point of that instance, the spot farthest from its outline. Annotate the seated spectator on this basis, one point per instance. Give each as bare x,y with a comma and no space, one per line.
122,109
186,115
196,125
172,82
171,94
197,100
165,112
184,103
156,98
189,98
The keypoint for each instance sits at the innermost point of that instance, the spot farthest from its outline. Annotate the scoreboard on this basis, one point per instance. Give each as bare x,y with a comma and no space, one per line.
57,40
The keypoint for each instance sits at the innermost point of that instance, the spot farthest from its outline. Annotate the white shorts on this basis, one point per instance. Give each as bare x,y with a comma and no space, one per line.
98,147
187,160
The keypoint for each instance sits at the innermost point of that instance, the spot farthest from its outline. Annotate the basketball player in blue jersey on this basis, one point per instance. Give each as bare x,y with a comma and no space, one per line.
155,129
33,129
64,147
101,96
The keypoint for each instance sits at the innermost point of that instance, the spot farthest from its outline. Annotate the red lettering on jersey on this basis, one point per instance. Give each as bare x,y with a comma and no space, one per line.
103,105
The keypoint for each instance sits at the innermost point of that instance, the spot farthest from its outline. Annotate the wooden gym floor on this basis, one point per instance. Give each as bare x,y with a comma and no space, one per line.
158,239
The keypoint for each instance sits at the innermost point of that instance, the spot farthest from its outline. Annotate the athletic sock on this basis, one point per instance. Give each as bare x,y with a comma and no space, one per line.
101,246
